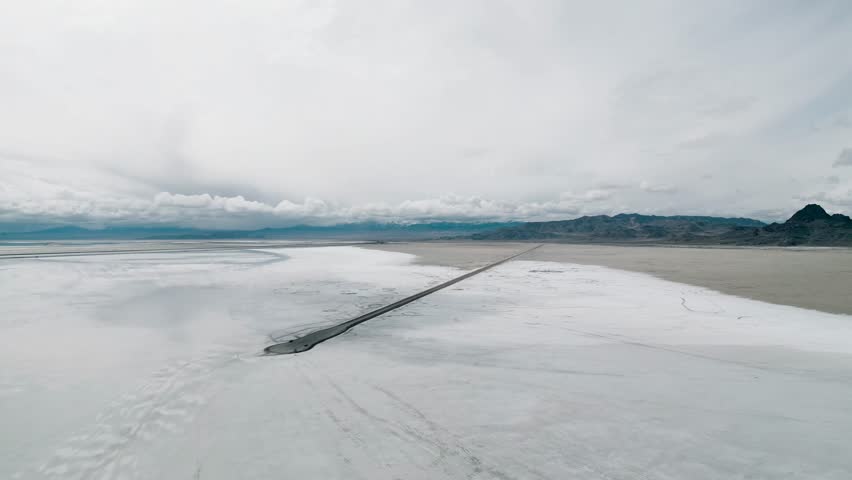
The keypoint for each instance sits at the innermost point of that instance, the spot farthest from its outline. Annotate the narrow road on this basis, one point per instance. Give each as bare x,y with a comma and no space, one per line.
309,341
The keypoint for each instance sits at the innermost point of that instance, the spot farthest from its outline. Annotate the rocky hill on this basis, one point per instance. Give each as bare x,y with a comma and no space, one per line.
810,226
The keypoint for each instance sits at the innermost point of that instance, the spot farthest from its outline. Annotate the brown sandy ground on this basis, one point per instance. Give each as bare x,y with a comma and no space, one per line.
813,278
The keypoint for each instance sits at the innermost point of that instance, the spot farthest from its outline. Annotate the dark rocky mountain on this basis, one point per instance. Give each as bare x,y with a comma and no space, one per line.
811,225
812,212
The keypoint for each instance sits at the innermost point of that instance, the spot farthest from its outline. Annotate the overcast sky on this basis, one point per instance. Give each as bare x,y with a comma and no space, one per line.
257,113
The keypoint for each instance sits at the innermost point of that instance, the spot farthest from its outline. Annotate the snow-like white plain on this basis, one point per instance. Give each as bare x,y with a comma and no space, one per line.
148,366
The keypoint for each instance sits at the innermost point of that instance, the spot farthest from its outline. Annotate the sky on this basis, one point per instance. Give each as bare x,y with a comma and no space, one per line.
245,114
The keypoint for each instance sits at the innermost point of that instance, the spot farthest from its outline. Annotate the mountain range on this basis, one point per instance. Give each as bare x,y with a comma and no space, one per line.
349,231
811,225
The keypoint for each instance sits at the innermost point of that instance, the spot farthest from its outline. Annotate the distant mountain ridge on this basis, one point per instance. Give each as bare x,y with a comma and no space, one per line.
811,225
624,227
349,231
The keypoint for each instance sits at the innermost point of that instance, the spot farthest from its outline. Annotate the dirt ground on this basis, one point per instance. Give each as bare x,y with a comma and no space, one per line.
814,278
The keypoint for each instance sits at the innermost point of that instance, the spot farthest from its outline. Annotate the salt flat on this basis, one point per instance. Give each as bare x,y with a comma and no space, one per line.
147,366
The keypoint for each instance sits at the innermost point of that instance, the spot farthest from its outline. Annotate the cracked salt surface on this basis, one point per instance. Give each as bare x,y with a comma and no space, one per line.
147,367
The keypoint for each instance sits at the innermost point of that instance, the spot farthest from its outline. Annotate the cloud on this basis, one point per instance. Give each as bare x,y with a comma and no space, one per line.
612,185
46,198
210,211
329,109
594,195
844,158
836,199
657,188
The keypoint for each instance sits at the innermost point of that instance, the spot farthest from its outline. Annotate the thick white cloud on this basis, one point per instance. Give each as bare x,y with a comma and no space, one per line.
418,109
47,202
40,194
